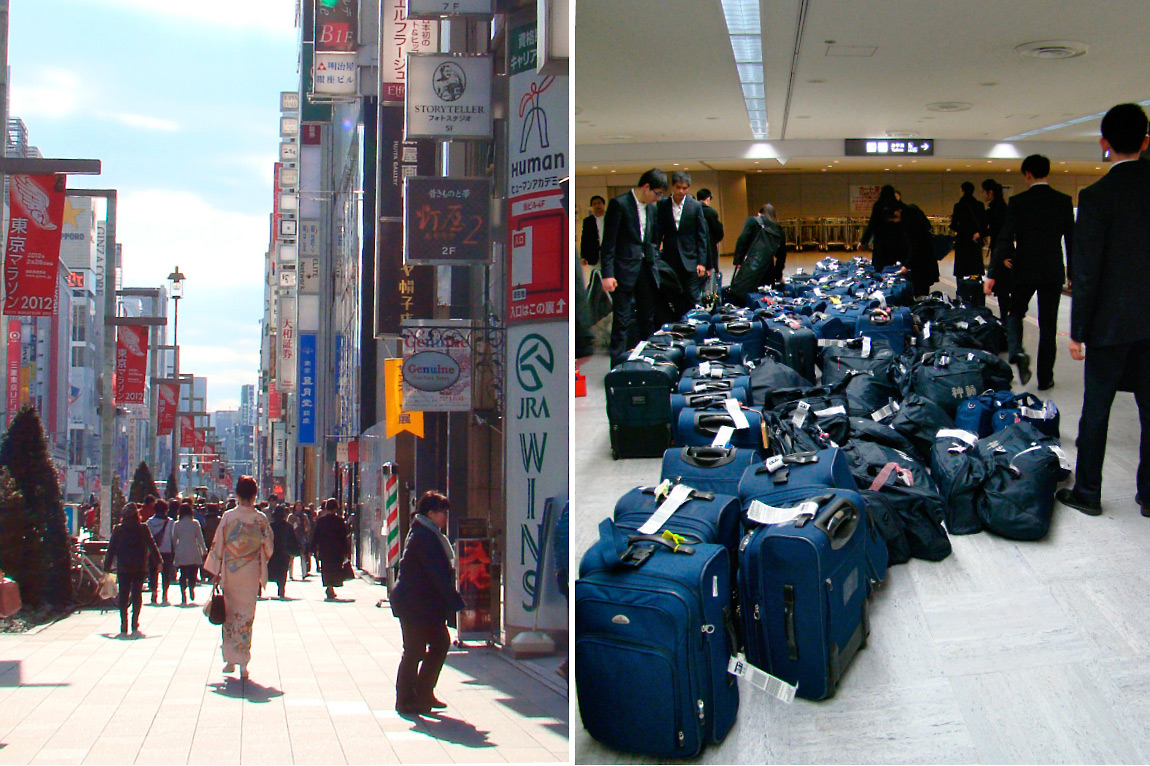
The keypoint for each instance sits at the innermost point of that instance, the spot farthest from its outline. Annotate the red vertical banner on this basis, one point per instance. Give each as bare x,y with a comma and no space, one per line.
275,411
14,336
200,441
32,258
131,364
187,432
166,408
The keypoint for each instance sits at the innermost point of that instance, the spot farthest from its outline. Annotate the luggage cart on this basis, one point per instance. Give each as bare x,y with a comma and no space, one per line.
790,227
810,231
939,224
855,229
834,233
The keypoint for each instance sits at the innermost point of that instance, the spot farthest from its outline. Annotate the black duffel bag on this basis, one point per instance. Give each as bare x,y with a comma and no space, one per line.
868,395
868,430
1024,468
960,472
919,419
770,376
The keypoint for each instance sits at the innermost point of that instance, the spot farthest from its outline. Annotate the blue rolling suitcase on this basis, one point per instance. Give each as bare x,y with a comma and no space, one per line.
704,399
803,588
738,374
653,636
794,341
693,329
746,332
774,480
712,469
638,397
894,323
727,353
704,515
698,428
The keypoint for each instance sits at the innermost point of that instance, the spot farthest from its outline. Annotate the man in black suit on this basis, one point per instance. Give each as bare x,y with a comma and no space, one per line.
714,230
1037,222
1111,278
682,232
627,261
591,238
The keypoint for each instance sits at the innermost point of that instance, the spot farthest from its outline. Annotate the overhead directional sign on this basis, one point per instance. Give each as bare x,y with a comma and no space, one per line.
885,147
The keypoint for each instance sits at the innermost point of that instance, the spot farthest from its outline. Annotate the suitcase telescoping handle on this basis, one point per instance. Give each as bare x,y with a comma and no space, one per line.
631,550
839,521
713,353
707,457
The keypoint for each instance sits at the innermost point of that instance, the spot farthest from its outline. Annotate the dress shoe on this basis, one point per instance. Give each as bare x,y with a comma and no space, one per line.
1067,497
412,709
433,703
1046,386
1023,362
1145,508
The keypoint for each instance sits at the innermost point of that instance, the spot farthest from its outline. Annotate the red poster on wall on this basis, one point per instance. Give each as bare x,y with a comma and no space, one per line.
32,259
187,432
275,411
131,364
166,408
14,336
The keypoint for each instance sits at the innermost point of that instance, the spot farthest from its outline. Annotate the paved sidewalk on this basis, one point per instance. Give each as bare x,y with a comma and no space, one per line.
322,691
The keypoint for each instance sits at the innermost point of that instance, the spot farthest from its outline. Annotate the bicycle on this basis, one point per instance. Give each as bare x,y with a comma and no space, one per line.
86,578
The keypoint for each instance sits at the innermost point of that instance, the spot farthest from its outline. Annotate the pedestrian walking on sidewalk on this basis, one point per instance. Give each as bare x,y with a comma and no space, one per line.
188,550
161,528
238,561
284,548
131,548
330,544
425,600
301,525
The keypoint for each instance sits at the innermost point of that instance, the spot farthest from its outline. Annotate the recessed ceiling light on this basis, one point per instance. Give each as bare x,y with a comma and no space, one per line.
1062,162
594,167
756,162
988,84
949,106
886,168
824,170
816,81
900,164
948,170
836,162
612,171
989,161
675,164
1097,167
1052,50
760,171
618,137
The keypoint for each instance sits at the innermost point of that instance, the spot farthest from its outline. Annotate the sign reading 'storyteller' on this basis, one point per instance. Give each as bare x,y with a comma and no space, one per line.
448,96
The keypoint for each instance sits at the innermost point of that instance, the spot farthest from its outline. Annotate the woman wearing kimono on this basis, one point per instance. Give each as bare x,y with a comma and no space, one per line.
238,561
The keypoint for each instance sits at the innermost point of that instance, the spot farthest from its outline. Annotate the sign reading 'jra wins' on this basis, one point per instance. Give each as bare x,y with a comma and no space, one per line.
448,220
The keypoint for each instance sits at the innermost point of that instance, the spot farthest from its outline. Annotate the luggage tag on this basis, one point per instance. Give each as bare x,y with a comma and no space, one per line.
711,341
679,495
838,409
866,346
926,331
723,437
878,296
957,433
818,293
736,414
885,412
762,513
1026,412
637,352
824,342
800,415
774,463
980,319
705,370
1063,461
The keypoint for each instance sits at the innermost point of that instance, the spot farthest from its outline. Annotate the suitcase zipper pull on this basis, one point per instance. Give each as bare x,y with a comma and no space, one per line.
756,611
702,717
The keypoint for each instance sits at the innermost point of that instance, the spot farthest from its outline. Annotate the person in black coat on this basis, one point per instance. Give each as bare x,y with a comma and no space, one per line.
885,228
330,544
921,266
425,600
760,253
968,222
131,549
285,547
591,237
714,229
682,233
1037,223
995,217
627,260
1111,278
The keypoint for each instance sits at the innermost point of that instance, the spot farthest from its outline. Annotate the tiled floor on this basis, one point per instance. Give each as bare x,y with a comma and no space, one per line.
1005,652
322,691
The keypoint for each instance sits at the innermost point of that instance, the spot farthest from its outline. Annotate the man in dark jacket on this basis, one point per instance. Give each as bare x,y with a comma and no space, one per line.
714,229
591,238
1111,278
425,600
1037,223
968,222
682,233
627,261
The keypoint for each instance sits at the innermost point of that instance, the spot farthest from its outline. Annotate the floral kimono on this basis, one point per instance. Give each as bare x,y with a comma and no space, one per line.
240,553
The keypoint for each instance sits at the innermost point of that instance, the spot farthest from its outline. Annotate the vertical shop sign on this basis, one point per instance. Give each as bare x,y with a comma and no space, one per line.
32,258
396,418
187,432
166,407
402,291
307,352
286,345
131,364
336,25
536,464
275,410
399,37
537,221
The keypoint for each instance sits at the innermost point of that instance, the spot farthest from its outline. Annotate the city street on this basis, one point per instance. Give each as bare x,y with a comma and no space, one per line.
322,691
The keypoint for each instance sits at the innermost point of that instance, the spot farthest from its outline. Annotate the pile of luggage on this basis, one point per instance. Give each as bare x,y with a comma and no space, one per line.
809,440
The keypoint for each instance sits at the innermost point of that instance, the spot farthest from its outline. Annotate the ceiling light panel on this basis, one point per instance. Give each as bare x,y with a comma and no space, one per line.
748,49
743,26
754,90
742,16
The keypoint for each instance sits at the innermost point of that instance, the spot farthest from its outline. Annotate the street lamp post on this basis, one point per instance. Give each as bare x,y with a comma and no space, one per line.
175,292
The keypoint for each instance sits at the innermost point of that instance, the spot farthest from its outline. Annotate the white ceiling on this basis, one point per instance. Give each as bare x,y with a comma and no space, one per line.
650,73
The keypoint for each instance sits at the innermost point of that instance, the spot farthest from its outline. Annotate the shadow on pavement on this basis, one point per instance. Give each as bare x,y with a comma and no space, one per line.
247,690
447,729
10,678
524,695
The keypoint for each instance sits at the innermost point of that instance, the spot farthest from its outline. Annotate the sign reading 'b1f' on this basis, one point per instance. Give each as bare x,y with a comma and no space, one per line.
35,225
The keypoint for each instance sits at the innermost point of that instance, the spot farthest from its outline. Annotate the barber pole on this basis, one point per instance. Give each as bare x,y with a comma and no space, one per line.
391,505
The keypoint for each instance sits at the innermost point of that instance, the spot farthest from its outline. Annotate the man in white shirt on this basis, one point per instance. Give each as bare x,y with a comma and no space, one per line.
682,231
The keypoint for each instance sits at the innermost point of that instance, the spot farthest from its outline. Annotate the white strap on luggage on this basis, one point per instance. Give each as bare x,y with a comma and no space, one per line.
679,495
762,513
762,680
736,413
723,437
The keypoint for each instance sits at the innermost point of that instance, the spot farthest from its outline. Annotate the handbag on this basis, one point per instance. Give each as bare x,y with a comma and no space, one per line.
109,589
347,573
215,608
599,303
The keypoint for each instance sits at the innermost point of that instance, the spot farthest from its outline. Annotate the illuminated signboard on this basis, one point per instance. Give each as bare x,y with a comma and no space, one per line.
887,147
